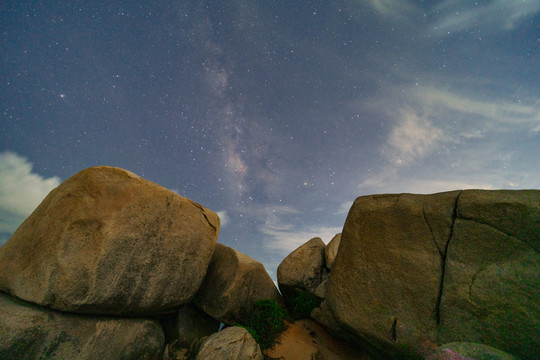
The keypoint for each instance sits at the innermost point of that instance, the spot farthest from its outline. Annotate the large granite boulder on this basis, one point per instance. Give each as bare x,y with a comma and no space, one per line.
232,343
302,269
30,332
233,283
109,242
447,267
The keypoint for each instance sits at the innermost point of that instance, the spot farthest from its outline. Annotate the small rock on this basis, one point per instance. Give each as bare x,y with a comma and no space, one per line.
302,269
232,343
234,282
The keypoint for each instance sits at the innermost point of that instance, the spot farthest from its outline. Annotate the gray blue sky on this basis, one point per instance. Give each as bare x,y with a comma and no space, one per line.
275,114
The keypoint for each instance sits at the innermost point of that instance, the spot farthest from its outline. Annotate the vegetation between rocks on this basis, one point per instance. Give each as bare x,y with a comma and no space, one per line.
265,322
303,304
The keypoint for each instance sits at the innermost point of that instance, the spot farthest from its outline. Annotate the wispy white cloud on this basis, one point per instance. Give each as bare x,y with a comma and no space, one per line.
284,235
398,9
223,217
21,190
446,139
412,138
526,113
492,16
344,207
386,183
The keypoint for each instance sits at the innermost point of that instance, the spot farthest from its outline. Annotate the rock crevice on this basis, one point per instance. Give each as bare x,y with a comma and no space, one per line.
444,256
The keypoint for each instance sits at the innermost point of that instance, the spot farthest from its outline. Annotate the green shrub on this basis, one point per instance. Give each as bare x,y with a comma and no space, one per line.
303,304
265,322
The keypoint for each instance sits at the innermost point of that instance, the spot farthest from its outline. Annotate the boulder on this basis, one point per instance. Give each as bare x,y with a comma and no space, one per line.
302,269
28,331
469,351
233,283
447,267
109,242
232,343
490,293
331,251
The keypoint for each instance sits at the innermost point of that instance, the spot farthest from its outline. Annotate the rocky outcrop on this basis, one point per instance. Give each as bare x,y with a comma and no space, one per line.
109,242
302,269
233,343
331,250
28,331
234,282
455,266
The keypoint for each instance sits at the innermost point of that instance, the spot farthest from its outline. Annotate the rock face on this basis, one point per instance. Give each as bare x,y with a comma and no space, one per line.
234,282
109,242
302,269
233,343
331,251
187,325
30,332
447,267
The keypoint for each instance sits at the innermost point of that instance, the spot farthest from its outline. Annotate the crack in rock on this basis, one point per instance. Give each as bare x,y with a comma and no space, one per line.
431,231
485,223
393,330
472,283
443,262
204,214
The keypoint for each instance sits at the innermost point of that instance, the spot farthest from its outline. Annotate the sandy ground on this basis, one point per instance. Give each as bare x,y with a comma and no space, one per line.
307,340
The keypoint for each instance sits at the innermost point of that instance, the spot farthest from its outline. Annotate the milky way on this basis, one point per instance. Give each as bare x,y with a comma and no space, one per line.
277,115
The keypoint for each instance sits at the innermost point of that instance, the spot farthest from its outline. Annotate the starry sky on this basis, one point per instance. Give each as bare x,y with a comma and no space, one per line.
274,114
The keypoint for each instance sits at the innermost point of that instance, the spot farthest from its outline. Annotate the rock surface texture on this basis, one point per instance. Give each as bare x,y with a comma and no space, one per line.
302,269
469,351
109,242
29,332
234,282
447,267
188,325
331,251
233,343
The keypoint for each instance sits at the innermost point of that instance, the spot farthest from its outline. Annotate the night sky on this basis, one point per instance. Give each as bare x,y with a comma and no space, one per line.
275,114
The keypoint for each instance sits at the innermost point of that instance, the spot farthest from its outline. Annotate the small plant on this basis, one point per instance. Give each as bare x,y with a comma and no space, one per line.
265,322
303,304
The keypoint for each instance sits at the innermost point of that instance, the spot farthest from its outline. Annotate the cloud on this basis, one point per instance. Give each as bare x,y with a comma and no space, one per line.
398,9
21,190
223,217
344,207
398,184
413,137
286,240
526,113
285,235
493,16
